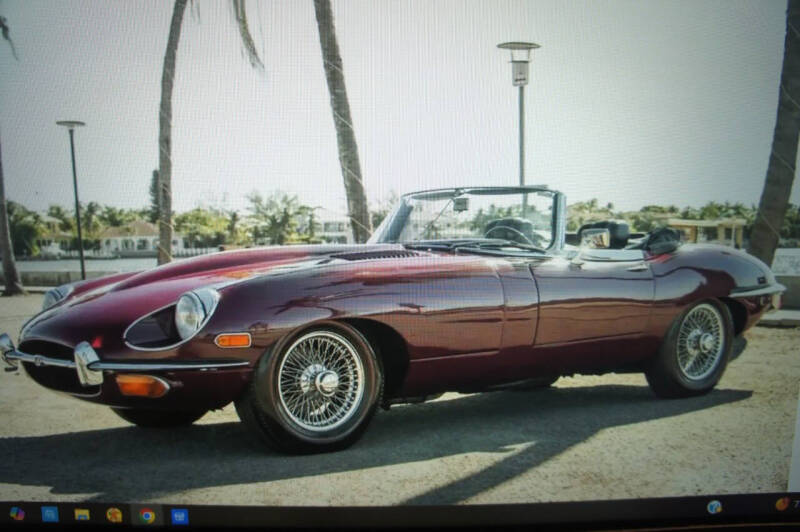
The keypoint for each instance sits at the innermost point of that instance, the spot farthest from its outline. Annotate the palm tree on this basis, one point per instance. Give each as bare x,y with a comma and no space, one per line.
66,220
275,217
165,115
345,136
780,172
91,219
10,273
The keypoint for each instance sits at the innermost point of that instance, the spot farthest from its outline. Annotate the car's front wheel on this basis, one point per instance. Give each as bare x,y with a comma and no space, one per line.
315,391
694,352
158,418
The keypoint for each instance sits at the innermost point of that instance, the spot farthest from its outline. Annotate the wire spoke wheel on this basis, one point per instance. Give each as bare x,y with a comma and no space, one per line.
700,342
320,381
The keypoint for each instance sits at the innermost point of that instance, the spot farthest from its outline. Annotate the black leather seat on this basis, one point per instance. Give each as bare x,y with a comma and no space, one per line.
619,232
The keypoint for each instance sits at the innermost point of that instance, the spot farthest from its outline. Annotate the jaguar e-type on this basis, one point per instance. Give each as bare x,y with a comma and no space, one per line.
463,289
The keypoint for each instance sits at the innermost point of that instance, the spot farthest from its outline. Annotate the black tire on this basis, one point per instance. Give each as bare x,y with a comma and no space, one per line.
266,414
665,376
158,418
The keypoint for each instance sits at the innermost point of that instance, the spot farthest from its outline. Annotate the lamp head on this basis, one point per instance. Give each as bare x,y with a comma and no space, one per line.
520,57
70,124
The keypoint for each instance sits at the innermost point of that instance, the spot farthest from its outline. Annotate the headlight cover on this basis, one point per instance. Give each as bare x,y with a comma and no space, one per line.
54,295
193,310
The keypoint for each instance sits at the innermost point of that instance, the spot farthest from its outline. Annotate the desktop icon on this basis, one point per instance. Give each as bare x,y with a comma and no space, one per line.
782,504
714,507
114,515
49,514
82,514
180,516
17,513
147,516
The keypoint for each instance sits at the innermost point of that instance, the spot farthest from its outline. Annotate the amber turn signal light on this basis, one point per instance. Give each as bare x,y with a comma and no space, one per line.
142,386
233,340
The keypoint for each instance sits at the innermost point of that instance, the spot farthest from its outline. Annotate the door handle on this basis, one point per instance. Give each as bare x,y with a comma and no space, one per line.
638,267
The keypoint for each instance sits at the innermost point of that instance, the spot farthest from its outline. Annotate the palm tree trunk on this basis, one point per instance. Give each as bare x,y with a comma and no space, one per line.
780,172
165,135
10,274
348,150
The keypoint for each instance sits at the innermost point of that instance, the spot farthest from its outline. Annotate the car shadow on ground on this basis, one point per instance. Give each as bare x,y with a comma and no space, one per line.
134,464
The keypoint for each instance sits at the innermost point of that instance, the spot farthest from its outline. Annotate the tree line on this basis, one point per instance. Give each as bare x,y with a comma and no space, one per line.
275,219
280,218
649,217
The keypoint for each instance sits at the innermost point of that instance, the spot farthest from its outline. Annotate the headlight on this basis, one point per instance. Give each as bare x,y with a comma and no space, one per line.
54,295
193,310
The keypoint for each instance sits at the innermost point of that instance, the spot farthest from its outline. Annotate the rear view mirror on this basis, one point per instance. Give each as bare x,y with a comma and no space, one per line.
460,204
596,238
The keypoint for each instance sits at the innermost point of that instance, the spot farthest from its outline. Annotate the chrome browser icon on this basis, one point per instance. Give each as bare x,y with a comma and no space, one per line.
17,513
147,516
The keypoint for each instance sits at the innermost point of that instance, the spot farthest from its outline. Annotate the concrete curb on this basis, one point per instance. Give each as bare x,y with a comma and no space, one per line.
781,318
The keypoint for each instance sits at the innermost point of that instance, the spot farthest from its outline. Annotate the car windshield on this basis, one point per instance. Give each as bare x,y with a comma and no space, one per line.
472,217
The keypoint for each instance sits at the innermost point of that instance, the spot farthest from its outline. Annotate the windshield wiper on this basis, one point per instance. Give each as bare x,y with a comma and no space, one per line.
490,244
497,244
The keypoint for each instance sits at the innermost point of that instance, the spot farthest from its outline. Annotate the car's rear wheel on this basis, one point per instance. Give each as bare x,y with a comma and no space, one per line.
314,392
158,418
694,352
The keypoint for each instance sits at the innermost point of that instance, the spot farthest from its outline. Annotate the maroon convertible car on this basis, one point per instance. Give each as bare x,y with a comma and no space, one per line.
464,289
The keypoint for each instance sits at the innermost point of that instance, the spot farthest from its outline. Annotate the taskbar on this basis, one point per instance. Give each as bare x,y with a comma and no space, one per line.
771,508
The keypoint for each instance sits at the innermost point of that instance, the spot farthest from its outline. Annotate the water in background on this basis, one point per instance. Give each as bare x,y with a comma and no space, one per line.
74,265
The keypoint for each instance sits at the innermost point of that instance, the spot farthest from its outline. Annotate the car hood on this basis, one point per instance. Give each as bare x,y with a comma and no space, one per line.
98,309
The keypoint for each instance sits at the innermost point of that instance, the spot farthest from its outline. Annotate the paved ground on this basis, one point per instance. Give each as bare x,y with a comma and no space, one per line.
586,438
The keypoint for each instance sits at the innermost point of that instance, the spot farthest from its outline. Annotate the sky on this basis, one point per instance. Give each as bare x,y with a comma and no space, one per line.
630,102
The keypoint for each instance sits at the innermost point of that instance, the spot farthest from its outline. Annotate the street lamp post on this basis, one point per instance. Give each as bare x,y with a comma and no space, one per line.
71,125
520,58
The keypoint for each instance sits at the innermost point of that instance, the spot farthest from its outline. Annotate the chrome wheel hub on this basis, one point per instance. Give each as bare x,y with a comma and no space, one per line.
701,342
707,342
327,382
309,376
320,381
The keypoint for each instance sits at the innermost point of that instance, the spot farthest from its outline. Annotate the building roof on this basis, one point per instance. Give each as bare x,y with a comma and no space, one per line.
136,228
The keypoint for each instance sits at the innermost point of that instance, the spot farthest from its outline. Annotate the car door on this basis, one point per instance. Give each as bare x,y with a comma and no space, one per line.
600,294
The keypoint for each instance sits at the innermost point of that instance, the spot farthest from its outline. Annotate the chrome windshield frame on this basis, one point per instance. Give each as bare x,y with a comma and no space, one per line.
559,210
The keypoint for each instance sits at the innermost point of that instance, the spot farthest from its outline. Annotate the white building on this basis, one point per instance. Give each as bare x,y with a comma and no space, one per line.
333,228
138,238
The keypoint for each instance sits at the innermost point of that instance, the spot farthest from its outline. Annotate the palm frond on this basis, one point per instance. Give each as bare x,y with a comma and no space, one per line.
7,36
248,44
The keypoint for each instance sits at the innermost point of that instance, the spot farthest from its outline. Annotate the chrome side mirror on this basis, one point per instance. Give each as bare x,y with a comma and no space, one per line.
596,239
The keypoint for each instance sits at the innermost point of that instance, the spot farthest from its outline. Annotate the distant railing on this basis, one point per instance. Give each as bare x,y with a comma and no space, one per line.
96,254
193,252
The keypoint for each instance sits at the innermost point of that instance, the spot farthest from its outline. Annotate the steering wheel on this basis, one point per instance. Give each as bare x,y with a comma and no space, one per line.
520,233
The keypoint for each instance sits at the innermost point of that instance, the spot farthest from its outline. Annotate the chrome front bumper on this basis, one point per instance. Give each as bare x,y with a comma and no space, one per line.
770,294
90,368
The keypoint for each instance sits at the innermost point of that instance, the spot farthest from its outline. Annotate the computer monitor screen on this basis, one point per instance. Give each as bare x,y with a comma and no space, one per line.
283,262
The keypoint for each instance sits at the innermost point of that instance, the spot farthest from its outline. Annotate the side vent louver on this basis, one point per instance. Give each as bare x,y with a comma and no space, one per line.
372,255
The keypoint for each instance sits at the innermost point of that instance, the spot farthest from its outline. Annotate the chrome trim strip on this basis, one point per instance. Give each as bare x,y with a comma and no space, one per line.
166,366
765,291
40,360
37,360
